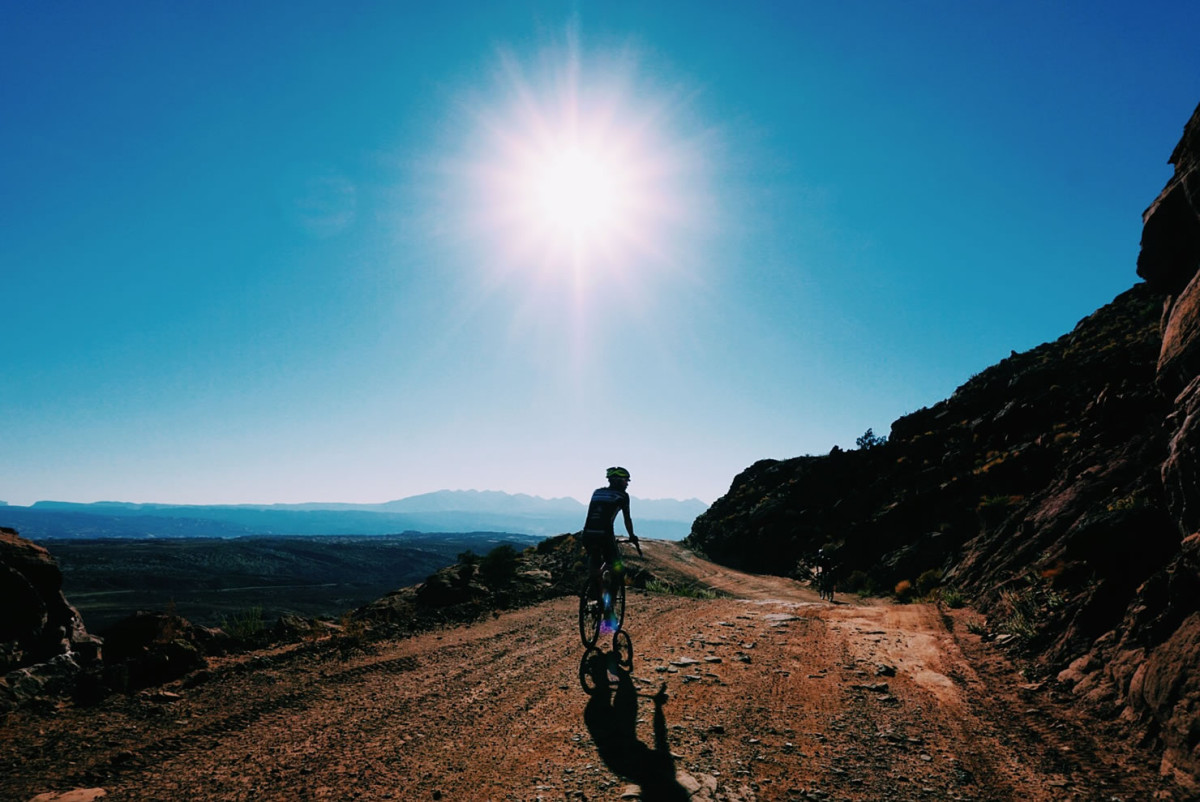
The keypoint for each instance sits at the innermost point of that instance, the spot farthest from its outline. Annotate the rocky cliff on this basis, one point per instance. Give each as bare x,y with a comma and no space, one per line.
43,643
1057,491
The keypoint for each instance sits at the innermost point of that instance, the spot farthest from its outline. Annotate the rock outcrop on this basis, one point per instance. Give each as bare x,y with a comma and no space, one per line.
43,642
1159,644
152,648
1058,491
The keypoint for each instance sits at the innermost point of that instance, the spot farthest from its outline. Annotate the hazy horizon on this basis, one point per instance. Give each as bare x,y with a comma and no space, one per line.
328,501
256,254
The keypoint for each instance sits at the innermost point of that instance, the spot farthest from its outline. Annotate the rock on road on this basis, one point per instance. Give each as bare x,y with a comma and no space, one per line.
765,694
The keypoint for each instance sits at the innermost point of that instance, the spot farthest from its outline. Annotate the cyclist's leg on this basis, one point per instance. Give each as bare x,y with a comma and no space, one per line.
611,555
610,579
593,543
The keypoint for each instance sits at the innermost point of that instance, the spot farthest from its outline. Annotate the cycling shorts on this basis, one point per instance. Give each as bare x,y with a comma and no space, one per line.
601,547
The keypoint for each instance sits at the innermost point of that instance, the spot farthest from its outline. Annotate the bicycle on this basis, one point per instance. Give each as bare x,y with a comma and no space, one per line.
825,582
602,610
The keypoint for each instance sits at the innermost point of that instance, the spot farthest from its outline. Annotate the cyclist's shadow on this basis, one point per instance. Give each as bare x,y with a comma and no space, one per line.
611,718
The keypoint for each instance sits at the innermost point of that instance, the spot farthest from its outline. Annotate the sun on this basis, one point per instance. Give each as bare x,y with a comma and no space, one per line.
574,171
576,193
571,197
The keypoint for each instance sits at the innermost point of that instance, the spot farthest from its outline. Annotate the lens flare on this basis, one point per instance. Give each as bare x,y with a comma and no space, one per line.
575,168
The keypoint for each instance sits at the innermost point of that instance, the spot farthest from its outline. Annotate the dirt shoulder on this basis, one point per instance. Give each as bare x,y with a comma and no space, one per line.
765,694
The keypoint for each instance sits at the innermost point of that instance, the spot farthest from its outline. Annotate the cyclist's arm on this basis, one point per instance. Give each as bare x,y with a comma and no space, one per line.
629,528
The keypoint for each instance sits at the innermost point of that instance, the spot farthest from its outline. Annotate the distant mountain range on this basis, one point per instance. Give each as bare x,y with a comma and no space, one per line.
442,511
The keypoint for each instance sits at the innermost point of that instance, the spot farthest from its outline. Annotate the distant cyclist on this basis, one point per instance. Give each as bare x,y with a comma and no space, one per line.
826,573
599,537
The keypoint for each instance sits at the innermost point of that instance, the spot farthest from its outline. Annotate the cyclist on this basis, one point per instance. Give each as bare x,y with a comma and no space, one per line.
826,571
599,538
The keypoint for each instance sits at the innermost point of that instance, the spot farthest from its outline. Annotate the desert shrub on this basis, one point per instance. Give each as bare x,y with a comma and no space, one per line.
869,439
928,580
1133,501
499,567
1022,610
353,637
244,625
468,557
1020,617
994,509
993,459
976,628
904,590
857,581
1001,503
690,590
953,598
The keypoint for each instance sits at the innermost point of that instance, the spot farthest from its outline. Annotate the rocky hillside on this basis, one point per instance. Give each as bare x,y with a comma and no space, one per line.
1058,491
46,653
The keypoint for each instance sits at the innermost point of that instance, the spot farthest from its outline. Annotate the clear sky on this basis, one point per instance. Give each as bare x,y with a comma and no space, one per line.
283,252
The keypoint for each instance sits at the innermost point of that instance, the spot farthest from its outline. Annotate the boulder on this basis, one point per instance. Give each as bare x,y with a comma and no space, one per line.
38,624
44,646
449,586
150,648
1166,689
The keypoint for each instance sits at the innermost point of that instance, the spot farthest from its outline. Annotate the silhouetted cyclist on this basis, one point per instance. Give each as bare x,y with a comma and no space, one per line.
599,537
826,573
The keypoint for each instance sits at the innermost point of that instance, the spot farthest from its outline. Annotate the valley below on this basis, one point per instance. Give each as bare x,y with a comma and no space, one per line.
212,580
756,691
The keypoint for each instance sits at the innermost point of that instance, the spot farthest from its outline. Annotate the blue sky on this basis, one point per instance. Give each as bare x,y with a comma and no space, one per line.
266,253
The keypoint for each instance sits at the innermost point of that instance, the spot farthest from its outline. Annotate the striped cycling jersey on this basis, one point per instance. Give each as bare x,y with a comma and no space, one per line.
606,503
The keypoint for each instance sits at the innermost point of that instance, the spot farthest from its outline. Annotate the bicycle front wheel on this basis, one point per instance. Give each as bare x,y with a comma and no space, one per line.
622,649
591,612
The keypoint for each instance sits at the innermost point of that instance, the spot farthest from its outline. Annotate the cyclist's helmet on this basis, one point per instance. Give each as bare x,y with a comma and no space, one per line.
618,473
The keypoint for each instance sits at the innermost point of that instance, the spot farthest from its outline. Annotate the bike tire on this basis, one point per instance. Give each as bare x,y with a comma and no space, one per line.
622,647
591,612
618,603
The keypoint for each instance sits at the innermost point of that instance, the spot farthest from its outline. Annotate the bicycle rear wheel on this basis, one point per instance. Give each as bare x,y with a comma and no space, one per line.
591,612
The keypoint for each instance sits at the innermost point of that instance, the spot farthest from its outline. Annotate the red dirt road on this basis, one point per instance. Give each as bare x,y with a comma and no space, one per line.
768,694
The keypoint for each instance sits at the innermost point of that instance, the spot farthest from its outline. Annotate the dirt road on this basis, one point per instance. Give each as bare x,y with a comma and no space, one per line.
768,694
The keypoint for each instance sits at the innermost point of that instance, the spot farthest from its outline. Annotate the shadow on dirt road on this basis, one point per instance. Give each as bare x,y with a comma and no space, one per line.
611,716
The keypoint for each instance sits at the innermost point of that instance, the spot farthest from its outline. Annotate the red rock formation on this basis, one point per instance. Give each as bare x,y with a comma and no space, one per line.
1170,261
1164,689
42,638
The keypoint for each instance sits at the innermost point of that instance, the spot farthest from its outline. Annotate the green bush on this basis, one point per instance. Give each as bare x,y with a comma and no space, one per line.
869,440
928,580
499,567
244,625
857,581
953,598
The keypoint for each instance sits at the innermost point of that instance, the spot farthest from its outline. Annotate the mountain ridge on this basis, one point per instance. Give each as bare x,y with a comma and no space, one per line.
440,511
